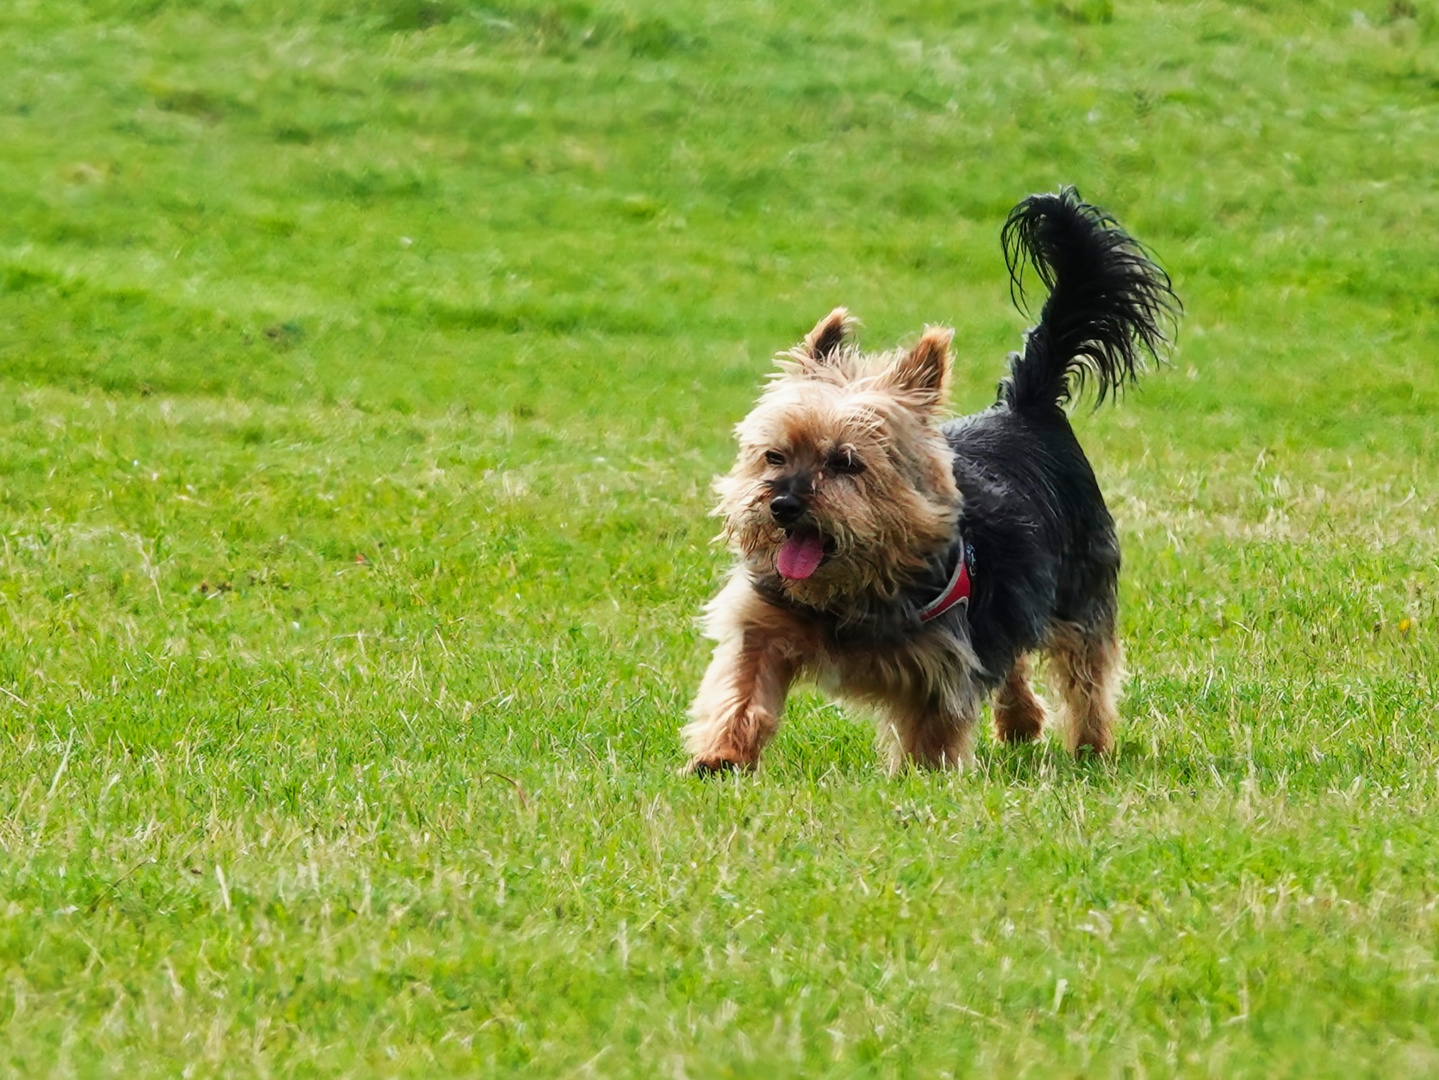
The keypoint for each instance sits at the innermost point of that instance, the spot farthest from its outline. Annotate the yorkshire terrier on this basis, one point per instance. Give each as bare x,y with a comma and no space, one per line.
912,564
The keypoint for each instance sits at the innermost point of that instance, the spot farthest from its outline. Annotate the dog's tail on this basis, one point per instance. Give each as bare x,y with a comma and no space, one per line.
1108,302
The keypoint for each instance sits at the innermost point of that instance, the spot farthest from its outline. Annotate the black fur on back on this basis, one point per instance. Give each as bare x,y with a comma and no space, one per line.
1108,302
1044,542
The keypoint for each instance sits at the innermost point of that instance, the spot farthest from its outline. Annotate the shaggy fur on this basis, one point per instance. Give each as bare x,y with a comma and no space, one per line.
852,501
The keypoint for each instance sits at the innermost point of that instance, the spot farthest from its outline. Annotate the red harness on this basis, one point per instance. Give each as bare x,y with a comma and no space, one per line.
955,593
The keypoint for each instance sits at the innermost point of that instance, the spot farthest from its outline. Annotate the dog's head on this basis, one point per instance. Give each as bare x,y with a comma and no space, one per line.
844,483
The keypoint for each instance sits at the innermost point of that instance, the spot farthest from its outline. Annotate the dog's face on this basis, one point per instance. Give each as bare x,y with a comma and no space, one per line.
844,483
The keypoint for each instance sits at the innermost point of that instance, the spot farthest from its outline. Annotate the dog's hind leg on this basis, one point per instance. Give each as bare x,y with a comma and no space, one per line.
1087,666
1018,714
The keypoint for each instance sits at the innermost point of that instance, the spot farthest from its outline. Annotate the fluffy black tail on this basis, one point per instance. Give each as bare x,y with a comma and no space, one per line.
1108,302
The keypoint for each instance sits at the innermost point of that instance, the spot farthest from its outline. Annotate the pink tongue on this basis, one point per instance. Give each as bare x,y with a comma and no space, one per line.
800,555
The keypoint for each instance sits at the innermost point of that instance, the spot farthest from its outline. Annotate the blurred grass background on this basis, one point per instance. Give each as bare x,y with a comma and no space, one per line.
364,368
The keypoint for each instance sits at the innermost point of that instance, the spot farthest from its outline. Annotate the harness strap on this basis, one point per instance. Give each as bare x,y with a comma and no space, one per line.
956,592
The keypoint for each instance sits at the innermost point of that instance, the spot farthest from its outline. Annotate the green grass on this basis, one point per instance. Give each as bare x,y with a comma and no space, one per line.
363,374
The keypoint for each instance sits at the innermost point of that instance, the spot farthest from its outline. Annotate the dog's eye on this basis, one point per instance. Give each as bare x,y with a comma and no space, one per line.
844,461
774,457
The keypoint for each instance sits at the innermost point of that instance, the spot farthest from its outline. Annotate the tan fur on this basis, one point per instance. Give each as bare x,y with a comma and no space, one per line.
828,334
1088,670
923,372
738,706
884,522
1018,714
924,693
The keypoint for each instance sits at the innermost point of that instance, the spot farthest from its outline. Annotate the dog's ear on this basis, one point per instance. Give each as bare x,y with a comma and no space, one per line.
923,371
823,342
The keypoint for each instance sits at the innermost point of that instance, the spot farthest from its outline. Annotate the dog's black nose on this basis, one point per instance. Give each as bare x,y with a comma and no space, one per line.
786,508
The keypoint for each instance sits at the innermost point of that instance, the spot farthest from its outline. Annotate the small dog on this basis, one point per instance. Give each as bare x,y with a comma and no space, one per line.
912,565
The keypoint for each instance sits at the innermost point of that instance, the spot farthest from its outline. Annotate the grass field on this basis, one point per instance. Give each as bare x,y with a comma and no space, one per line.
363,367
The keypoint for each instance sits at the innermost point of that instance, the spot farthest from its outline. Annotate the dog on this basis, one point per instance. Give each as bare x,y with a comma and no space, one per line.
912,565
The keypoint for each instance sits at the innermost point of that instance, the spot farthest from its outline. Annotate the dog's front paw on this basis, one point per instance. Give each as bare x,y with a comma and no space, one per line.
714,765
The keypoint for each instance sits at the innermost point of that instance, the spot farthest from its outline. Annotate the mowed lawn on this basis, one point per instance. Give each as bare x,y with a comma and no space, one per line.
363,369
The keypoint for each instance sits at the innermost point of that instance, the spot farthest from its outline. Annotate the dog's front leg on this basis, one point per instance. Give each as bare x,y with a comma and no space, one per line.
739,702
930,734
